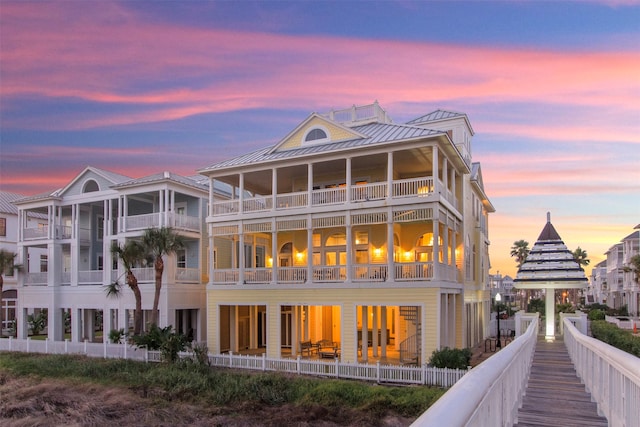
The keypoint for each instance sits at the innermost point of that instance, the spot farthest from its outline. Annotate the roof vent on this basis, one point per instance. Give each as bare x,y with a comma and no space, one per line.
167,174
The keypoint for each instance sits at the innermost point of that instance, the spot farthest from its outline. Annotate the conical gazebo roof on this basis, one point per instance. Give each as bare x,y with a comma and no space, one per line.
550,265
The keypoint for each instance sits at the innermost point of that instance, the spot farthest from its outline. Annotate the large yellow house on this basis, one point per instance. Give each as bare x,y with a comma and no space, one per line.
354,231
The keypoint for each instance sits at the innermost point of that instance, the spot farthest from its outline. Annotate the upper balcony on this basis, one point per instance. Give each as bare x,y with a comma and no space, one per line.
156,219
365,192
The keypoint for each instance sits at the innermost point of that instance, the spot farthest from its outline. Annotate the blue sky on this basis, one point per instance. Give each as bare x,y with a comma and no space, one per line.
552,90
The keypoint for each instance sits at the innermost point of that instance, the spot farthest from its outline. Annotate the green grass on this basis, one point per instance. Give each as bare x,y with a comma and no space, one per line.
189,382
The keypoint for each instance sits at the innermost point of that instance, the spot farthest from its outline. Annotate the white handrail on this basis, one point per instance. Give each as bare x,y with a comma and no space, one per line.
612,376
490,393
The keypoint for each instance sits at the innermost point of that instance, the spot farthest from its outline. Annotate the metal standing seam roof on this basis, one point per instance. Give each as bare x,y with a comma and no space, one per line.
6,202
163,176
435,116
377,133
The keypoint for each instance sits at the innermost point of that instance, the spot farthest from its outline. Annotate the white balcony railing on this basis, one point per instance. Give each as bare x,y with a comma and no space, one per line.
369,273
367,192
90,277
187,275
489,395
414,271
329,196
257,275
612,376
228,276
35,233
413,187
336,273
36,278
142,222
145,274
292,200
292,274
226,207
257,204
184,222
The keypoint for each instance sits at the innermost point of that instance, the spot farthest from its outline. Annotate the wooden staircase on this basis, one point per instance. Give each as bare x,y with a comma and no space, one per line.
554,395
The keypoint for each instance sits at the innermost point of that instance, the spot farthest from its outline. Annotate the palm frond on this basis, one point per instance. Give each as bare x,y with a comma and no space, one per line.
113,290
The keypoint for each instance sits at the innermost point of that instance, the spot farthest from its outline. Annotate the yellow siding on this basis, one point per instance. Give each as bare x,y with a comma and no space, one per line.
336,133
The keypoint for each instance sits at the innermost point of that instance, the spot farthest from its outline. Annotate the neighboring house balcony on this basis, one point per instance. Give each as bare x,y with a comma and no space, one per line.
97,277
158,219
420,187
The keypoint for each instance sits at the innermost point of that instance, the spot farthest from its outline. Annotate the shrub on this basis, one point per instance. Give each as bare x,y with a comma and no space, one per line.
164,339
116,335
37,322
616,337
596,314
453,358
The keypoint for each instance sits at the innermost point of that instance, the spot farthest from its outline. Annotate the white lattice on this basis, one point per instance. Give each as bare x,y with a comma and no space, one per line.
327,222
369,218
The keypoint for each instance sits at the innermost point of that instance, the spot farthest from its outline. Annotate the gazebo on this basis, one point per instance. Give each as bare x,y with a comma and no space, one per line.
550,266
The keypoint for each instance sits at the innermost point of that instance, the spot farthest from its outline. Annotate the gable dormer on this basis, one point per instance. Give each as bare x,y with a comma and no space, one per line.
315,130
456,125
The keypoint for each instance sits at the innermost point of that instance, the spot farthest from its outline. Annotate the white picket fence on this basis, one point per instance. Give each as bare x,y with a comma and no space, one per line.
382,374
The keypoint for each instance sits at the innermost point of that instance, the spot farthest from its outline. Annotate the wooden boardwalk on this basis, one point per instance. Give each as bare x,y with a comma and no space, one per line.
555,396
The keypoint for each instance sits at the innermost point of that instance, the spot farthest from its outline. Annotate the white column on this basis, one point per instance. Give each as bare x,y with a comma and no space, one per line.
436,246
274,188
390,176
348,179
550,314
434,166
365,333
383,333
391,271
374,331
241,195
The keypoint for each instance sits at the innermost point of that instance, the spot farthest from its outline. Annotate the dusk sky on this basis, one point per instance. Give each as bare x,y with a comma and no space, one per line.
552,90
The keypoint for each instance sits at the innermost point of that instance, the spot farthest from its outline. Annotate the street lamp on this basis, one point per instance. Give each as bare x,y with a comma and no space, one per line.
498,299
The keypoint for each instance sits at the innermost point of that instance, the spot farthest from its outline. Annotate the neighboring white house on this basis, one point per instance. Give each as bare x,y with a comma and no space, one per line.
597,291
70,261
630,285
613,281
9,243
355,231
614,276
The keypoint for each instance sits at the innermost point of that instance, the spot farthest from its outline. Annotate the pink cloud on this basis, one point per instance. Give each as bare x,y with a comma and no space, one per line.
107,54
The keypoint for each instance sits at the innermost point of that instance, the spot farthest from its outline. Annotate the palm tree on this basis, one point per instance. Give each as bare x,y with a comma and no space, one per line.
520,250
6,263
580,256
130,254
159,242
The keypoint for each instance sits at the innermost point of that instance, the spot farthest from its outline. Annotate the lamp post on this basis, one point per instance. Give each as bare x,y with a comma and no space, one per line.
498,299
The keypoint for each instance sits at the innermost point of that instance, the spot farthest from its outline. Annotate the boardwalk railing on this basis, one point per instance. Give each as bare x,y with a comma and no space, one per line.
491,393
386,374
612,376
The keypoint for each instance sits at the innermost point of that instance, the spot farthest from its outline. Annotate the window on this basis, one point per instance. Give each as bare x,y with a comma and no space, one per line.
338,239
44,264
3,226
315,135
362,238
181,257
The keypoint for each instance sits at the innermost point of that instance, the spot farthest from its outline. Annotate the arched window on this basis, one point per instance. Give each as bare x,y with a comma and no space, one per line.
90,186
316,134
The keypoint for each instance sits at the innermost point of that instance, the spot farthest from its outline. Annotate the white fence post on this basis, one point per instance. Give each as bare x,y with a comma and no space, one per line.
378,372
46,345
28,343
66,345
264,362
105,348
85,347
125,350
